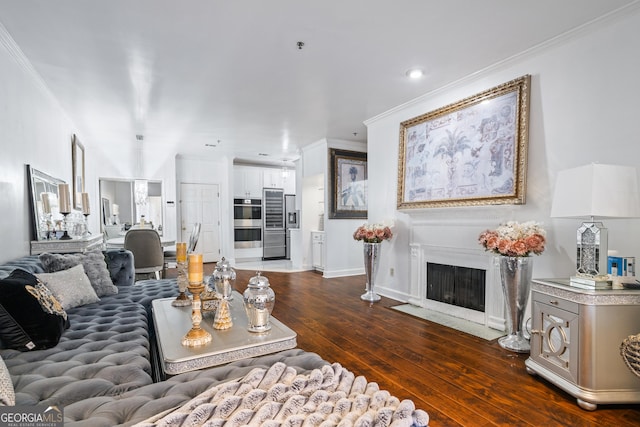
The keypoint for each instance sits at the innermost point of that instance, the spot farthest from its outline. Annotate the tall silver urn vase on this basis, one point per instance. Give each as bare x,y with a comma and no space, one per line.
371,263
515,273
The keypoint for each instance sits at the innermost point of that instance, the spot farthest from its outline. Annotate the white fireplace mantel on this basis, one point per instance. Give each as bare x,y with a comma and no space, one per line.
421,254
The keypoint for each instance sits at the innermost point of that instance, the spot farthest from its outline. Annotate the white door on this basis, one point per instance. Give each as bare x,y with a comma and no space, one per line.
201,203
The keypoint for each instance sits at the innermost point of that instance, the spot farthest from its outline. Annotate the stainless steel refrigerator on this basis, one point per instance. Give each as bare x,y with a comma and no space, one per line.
274,234
291,219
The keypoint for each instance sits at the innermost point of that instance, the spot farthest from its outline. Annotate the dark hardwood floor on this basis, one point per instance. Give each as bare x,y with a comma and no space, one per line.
459,379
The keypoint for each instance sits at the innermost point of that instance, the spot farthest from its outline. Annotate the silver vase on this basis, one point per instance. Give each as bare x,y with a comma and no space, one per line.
515,274
371,262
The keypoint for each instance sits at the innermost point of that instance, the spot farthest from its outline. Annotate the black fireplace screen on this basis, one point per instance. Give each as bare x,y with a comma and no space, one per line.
459,286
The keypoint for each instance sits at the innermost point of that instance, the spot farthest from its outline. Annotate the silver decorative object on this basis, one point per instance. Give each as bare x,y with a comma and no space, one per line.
224,278
259,300
371,263
515,274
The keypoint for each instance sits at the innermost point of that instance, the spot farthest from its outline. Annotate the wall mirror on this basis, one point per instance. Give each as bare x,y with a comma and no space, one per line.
43,201
118,204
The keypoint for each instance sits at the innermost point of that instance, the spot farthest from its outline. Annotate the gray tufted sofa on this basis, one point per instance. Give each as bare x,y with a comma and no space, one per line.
100,372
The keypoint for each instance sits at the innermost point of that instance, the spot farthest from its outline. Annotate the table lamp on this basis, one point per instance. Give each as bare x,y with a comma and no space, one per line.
595,191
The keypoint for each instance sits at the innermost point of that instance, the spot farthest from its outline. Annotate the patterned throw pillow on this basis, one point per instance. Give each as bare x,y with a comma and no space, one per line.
7,393
70,287
31,318
94,266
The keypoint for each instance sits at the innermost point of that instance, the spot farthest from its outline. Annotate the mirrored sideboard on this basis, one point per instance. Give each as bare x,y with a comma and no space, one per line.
82,244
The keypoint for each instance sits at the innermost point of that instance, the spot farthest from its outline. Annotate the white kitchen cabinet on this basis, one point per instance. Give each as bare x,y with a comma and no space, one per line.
247,182
317,255
272,178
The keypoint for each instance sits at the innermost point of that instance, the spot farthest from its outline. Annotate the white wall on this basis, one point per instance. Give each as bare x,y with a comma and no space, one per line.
312,205
313,167
35,130
584,107
343,255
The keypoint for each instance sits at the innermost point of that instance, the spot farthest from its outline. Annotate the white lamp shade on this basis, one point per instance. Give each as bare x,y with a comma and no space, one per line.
598,191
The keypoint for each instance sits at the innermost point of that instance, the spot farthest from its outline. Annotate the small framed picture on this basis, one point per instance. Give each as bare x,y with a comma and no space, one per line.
348,176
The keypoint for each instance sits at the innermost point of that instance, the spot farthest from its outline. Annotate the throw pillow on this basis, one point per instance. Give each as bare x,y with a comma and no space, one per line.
70,287
94,266
31,318
7,393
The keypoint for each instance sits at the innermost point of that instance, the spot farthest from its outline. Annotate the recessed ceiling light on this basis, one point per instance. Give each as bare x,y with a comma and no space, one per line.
415,73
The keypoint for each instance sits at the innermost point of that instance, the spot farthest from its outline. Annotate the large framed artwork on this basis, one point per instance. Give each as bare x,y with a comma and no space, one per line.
472,152
77,161
348,183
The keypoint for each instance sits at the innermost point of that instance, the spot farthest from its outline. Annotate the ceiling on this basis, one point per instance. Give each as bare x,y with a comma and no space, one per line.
211,77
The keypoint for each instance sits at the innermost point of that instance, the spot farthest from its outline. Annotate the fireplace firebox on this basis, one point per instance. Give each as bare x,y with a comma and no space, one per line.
459,286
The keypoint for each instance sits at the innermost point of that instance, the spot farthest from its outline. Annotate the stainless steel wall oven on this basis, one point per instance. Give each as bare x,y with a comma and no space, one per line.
247,223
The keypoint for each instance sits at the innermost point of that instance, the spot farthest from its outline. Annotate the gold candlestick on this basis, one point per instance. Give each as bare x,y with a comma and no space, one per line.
196,335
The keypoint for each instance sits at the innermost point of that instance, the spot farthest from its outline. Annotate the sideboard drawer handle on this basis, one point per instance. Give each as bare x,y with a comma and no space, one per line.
553,302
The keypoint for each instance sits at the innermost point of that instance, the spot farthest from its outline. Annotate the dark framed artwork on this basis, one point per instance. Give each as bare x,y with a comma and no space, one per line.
348,184
472,152
77,160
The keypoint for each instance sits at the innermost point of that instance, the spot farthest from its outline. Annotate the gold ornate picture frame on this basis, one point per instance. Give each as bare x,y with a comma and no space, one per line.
472,152
77,161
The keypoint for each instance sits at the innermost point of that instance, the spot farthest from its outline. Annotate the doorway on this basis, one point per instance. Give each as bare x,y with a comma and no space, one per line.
118,205
201,203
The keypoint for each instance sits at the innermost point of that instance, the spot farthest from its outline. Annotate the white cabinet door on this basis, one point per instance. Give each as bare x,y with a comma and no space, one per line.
272,178
253,182
317,241
239,188
247,182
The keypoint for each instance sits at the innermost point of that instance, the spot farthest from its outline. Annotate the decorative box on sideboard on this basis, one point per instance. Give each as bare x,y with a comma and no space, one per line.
575,340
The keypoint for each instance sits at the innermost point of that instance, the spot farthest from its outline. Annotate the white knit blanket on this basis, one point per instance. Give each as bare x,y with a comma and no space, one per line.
279,397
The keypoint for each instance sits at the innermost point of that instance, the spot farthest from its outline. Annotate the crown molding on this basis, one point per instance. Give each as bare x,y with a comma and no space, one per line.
566,37
25,65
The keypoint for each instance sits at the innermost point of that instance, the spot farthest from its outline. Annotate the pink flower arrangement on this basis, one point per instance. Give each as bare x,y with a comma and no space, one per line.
514,239
374,233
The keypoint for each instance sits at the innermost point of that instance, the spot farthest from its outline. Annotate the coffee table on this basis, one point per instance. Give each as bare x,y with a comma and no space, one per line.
172,323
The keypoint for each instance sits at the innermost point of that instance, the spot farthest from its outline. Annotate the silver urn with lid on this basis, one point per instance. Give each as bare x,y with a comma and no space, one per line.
223,278
259,300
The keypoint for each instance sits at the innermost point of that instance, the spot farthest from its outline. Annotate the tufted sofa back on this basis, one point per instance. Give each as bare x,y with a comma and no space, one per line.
119,263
